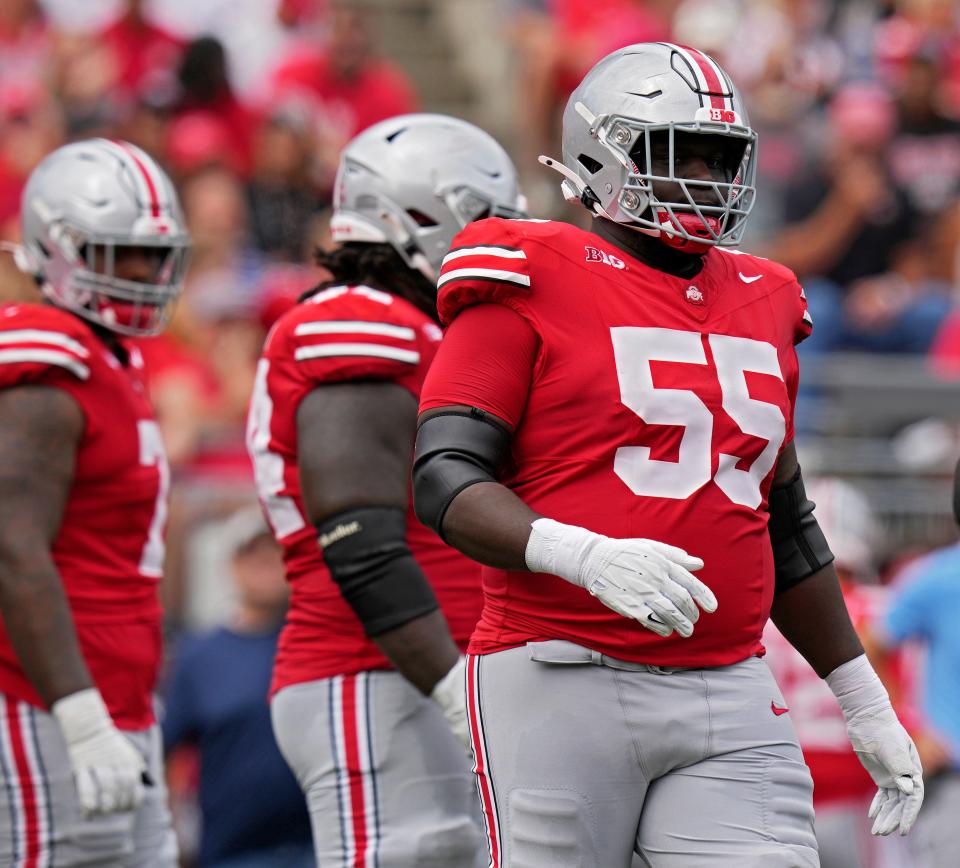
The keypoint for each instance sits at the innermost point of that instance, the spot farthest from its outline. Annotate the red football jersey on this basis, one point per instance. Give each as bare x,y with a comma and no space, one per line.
110,547
338,335
657,408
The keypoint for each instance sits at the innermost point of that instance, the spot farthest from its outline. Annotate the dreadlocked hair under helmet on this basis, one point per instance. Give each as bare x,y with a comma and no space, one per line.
378,266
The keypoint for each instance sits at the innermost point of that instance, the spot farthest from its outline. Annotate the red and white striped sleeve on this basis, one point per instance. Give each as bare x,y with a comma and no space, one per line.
38,344
486,263
360,335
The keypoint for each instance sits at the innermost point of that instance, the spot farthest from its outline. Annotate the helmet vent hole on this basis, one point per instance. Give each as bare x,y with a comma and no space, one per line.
591,165
421,219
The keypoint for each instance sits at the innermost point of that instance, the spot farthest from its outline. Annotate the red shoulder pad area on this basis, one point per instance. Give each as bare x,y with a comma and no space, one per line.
486,263
39,343
351,333
748,268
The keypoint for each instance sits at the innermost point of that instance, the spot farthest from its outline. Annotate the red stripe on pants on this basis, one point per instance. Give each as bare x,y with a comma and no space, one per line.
351,744
486,792
28,791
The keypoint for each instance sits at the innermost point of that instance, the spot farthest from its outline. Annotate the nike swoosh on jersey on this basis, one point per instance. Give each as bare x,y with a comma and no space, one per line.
746,279
777,710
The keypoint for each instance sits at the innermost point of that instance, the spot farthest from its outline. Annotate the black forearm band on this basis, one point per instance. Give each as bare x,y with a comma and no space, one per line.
799,546
454,451
367,555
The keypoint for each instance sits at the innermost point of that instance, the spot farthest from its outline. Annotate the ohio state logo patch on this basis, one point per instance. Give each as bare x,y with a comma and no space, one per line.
595,255
694,296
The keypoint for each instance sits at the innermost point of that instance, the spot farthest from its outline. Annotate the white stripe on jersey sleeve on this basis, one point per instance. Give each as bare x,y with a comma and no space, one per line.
359,327
319,351
51,357
485,273
498,252
43,336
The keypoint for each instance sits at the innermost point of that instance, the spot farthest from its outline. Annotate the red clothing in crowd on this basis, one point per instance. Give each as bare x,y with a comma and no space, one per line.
141,50
347,106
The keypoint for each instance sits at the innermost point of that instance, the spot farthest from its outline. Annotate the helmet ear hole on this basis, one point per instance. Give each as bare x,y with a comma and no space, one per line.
590,164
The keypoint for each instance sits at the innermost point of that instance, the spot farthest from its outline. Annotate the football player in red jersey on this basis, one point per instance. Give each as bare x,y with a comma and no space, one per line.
369,661
83,482
610,413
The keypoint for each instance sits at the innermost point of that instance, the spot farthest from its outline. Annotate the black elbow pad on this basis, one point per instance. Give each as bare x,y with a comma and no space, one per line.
799,546
454,451
367,555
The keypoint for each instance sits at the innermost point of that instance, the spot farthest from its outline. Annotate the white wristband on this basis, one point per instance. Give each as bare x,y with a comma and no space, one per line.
81,715
858,688
559,549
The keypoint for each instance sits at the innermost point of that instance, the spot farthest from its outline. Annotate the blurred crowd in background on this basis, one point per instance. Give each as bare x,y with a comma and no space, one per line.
247,103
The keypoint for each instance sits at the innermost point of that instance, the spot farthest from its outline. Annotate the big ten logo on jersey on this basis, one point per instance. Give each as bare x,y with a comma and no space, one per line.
596,255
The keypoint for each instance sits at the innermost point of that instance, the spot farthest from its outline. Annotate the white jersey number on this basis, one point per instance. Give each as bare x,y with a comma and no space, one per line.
284,515
634,349
152,454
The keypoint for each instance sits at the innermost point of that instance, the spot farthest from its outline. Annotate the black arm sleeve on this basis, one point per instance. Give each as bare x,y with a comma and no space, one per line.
367,555
799,546
454,451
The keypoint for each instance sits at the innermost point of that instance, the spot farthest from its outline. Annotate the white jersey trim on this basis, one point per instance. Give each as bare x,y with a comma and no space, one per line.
379,351
499,252
485,274
360,327
51,357
42,336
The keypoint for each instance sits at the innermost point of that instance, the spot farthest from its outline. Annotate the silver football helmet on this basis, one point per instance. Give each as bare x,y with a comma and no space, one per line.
649,93
414,181
82,207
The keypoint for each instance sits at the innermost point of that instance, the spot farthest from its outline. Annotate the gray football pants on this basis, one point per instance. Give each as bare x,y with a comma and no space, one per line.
584,760
41,825
387,783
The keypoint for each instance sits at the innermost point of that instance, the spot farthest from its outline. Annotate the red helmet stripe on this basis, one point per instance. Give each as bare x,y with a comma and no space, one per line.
715,86
145,173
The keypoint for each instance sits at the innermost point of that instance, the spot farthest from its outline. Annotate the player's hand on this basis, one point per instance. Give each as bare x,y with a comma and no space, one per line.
642,579
450,693
888,754
881,743
108,770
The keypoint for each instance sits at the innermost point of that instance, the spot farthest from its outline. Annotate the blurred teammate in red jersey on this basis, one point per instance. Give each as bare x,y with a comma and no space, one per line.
83,485
367,645
842,789
610,412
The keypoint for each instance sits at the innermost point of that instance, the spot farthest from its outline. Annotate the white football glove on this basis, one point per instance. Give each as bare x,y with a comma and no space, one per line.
450,693
882,745
642,579
107,768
